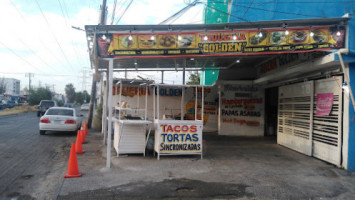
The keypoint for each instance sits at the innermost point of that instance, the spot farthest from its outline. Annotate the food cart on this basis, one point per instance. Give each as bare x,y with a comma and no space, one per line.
175,135
131,124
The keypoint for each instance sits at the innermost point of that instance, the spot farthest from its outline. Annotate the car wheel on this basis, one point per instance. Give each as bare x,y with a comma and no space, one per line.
42,132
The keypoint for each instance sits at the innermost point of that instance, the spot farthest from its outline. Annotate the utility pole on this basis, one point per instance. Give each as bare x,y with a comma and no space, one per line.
93,86
29,75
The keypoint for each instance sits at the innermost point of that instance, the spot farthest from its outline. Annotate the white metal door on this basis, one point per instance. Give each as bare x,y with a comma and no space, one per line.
295,117
327,129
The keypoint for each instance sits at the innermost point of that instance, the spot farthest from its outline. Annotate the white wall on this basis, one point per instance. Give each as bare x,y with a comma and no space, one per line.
170,103
241,109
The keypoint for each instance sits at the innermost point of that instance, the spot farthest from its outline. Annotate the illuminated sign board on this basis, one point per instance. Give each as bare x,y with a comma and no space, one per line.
220,42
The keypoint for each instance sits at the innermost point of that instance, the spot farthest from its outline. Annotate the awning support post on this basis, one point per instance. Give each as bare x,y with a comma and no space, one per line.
347,79
110,82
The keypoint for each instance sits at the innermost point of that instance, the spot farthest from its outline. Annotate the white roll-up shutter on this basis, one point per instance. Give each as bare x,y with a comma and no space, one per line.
327,130
299,126
295,117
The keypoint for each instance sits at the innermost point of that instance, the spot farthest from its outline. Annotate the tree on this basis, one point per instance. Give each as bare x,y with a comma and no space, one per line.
41,93
2,86
194,79
86,96
79,97
70,92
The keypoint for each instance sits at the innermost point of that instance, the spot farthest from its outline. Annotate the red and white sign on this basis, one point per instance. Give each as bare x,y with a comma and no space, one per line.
324,103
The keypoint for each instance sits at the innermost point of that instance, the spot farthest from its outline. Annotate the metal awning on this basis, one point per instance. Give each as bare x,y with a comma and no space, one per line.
199,62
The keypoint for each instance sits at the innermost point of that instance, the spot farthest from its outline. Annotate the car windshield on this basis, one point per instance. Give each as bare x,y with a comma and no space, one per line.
63,112
47,103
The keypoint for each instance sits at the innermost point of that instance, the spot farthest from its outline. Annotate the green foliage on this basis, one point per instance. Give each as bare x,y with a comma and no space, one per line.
86,96
60,103
98,118
70,92
82,97
194,79
79,97
41,93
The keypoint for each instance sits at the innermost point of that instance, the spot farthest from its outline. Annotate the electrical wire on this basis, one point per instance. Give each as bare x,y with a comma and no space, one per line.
66,19
130,3
39,39
39,74
113,11
294,2
251,3
290,13
44,62
180,11
13,52
60,47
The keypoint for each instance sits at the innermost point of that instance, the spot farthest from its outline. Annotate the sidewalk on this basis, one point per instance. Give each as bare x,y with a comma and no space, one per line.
233,168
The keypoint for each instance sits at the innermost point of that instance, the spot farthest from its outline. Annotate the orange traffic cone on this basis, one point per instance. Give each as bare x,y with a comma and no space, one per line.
73,170
86,128
82,136
78,145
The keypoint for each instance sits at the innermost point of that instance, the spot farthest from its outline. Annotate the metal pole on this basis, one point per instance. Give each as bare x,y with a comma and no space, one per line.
146,102
347,79
158,102
138,98
110,80
203,96
203,103
154,103
182,102
106,102
196,104
162,77
119,112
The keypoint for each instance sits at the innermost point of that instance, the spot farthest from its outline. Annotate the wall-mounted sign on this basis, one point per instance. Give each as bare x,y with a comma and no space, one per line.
324,104
222,42
242,110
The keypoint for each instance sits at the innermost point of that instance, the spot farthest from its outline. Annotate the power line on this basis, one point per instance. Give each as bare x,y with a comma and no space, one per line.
289,13
124,11
293,2
251,3
55,38
44,62
66,19
180,12
39,39
13,52
40,74
113,11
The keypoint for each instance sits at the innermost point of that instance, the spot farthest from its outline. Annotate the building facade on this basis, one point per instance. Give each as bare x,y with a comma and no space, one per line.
12,86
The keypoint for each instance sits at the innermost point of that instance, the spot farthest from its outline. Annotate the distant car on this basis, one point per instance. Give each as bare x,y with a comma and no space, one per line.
60,119
85,106
69,105
44,105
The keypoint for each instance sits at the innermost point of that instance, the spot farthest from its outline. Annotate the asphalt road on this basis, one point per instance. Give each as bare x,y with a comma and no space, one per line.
31,164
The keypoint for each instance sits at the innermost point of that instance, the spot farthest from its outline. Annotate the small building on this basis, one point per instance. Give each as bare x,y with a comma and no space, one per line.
12,86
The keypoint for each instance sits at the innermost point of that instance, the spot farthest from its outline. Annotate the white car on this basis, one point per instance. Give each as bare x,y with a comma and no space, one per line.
85,106
60,119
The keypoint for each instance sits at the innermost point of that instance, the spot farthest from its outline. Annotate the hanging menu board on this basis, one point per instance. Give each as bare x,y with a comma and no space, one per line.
220,42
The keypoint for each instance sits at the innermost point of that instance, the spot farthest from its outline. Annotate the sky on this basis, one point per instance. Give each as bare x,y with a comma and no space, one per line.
37,37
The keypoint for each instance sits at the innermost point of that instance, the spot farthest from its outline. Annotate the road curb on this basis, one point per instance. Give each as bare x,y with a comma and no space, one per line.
58,189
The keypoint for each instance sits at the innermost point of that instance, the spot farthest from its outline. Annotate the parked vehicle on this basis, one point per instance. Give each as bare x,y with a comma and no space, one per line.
44,105
60,119
69,105
85,106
